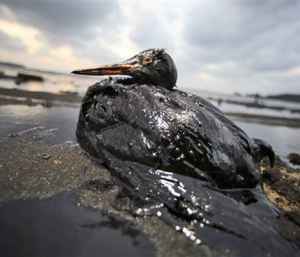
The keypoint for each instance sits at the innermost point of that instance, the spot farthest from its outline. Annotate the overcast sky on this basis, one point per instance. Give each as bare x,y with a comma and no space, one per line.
226,46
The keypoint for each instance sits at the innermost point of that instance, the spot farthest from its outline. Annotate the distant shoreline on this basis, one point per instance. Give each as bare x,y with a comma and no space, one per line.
295,98
33,98
13,65
265,119
46,99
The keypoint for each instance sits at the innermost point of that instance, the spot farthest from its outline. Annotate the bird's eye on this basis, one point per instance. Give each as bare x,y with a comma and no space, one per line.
147,60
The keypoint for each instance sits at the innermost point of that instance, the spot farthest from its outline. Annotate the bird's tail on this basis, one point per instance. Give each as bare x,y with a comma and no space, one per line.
262,150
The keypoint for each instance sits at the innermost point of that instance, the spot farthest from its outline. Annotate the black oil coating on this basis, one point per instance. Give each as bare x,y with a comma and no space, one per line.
58,227
180,153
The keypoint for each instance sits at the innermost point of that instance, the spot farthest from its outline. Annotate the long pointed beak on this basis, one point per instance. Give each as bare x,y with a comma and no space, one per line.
116,69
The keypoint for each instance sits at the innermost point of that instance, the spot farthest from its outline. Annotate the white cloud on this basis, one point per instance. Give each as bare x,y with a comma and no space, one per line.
35,43
228,46
29,37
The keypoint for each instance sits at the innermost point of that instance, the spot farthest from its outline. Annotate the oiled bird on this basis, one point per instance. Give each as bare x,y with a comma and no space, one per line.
139,117
179,157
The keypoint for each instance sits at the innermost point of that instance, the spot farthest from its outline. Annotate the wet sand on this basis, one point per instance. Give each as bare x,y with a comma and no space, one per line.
32,169
59,181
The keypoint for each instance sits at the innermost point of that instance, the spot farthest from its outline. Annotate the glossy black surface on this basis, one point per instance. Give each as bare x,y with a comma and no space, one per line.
58,227
170,130
181,159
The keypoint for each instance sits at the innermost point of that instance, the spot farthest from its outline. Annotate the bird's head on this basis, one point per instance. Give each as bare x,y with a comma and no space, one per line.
153,66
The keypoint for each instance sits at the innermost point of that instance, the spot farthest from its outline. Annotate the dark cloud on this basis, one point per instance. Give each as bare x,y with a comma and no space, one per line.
234,45
251,33
66,21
